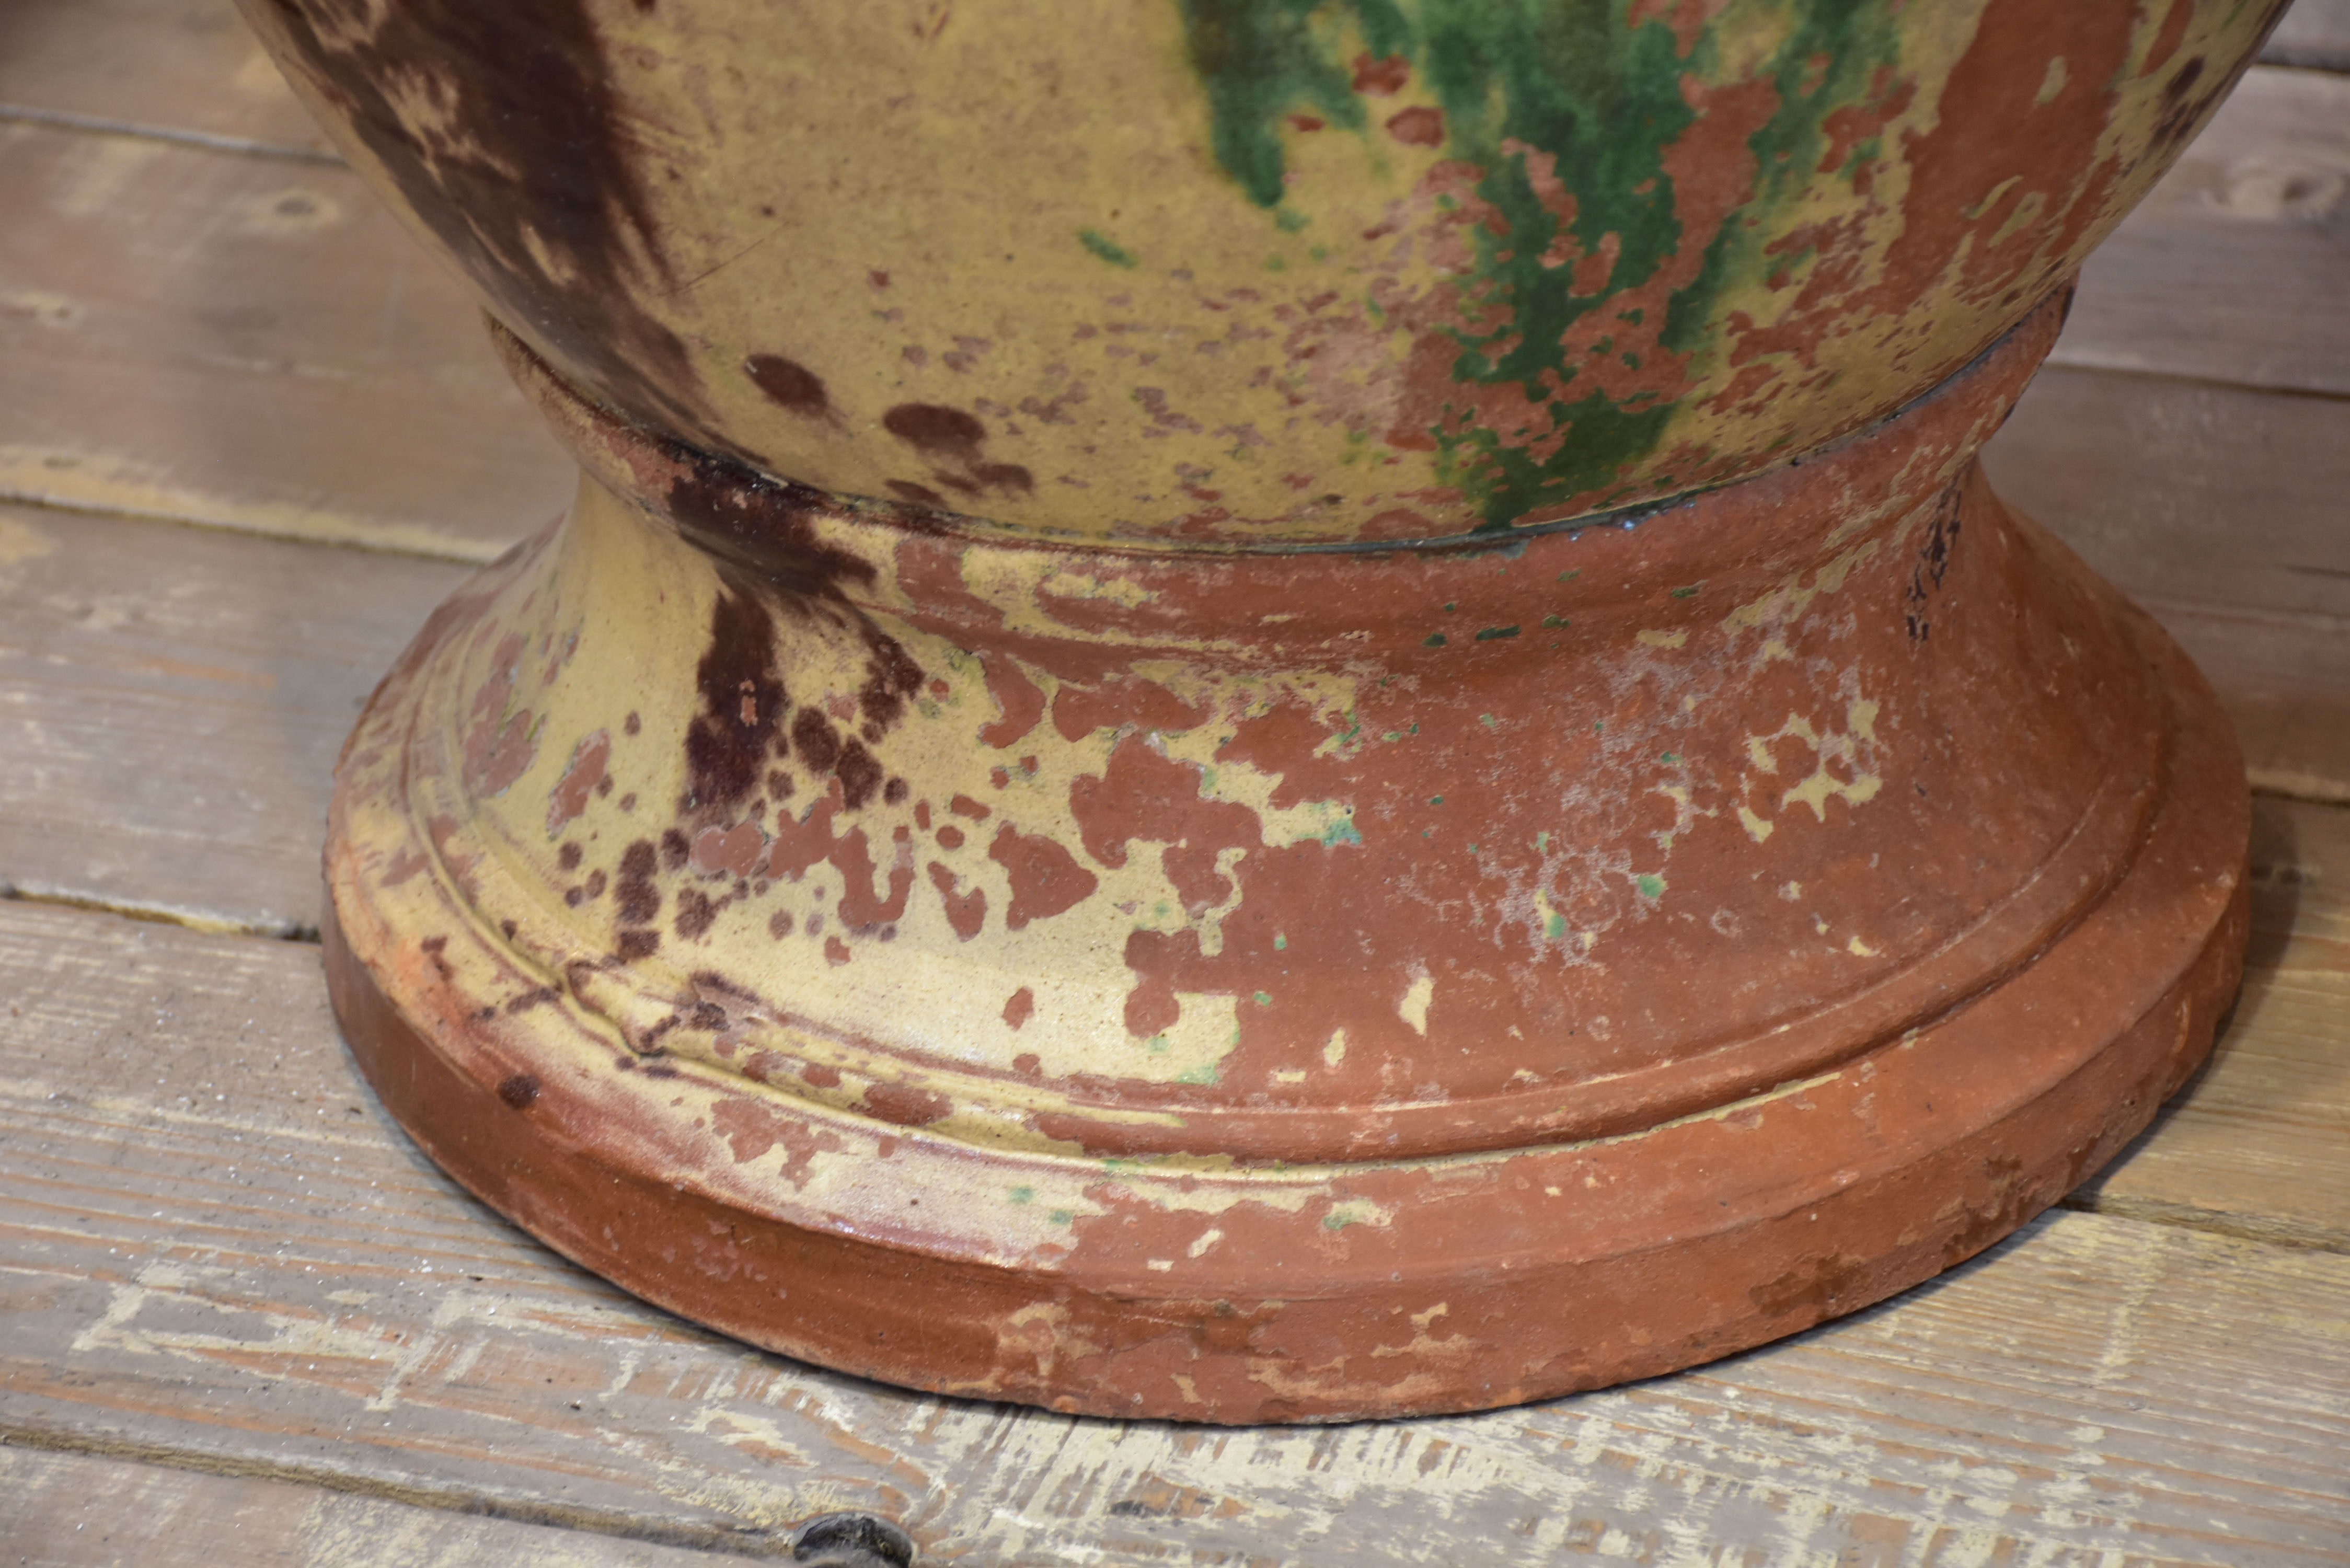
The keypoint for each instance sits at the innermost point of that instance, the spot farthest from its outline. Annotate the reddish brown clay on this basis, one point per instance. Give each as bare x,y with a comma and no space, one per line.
1572,957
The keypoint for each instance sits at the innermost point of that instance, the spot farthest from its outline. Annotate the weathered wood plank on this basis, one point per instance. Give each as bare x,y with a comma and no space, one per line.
2314,34
2258,1145
2233,270
251,344
212,1245
176,66
2285,681
85,1511
2226,512
2186,491
171,701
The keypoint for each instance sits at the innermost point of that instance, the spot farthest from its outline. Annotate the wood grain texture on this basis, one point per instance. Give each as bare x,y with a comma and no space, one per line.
2187,492
182,68
171,701
2259,1144
2227,513
2237,267
85,1511
251,344
214,1246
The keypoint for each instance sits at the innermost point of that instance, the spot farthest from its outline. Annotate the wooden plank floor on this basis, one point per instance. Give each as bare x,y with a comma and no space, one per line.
248,436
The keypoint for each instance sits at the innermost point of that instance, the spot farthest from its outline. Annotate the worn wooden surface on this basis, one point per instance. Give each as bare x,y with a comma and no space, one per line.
2253,216
82,1510
192,334
218,1247
245,1322
2314,34
172,701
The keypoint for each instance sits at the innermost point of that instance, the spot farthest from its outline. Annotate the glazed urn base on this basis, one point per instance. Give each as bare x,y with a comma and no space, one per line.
1244,986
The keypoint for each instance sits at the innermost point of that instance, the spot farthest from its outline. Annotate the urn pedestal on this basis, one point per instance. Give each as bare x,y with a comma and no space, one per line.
1420,774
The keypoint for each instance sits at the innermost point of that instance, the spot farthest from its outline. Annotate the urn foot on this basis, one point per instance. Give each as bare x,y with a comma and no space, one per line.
1302,985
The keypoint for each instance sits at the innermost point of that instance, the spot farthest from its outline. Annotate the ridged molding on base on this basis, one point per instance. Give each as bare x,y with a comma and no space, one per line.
1239,986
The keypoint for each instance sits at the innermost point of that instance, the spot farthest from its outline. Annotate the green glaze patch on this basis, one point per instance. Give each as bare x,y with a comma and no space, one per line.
1263,59
1102,246
1569,112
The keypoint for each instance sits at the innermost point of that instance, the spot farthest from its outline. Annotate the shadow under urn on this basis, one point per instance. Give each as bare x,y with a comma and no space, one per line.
1402,765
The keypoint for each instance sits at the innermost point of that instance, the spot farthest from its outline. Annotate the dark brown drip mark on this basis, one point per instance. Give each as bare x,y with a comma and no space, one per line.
765,527
525,171
639,899
819,746
935,428
772,563
695,911
728,743
519,1091
762,533
2183,108
788,384
952,440
859,773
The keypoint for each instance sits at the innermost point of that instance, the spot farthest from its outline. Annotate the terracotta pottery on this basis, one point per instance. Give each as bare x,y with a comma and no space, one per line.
1271,712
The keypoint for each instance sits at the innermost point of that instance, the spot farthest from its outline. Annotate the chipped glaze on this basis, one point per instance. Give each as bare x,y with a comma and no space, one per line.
1240,272
1458,989
1229,877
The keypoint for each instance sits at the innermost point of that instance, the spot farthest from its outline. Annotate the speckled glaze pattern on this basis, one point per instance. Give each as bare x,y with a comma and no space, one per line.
1266,710
1246,272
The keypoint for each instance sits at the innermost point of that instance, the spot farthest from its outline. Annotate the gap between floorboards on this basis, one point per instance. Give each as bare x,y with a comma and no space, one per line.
745,1540
210,142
